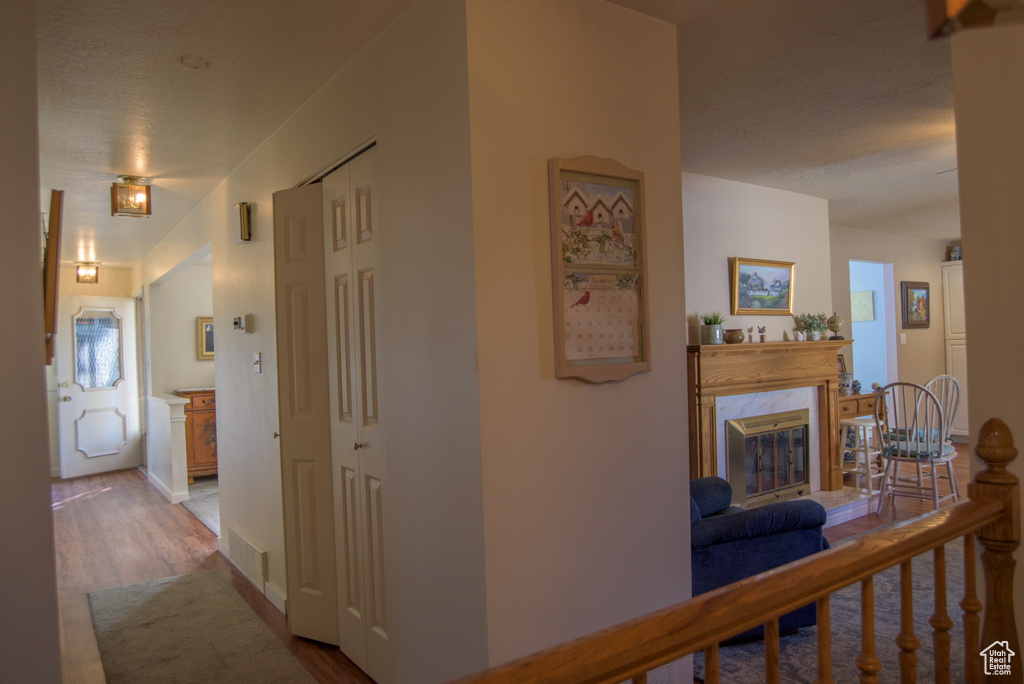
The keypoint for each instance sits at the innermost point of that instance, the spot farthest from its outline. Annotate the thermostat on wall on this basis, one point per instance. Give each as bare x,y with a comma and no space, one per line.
244,323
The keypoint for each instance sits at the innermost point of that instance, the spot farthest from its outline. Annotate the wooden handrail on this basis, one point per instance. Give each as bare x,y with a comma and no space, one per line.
638,646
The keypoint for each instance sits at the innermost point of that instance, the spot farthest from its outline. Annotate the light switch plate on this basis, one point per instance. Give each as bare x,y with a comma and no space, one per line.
256,363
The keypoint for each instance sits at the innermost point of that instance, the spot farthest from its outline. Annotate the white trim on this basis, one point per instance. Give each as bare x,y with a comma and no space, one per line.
276,597
163,488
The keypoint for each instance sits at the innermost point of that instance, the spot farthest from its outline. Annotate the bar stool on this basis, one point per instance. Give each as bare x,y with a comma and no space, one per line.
867,461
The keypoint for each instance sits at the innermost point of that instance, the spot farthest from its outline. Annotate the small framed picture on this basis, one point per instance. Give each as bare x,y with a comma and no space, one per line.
842,363
761,287
204,338
916,304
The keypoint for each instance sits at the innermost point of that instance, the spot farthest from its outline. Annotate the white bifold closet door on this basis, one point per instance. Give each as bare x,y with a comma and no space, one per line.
358,446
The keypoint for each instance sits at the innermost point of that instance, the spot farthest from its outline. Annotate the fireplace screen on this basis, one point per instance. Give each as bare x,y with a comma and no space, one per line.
768,456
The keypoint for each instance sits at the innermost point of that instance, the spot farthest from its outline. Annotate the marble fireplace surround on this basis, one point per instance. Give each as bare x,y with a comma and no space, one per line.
793,372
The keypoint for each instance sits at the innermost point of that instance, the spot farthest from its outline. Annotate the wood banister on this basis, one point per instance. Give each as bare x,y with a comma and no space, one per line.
1000,538
633,648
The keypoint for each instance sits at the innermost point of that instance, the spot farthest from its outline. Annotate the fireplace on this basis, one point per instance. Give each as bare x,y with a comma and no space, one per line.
768,456
722,371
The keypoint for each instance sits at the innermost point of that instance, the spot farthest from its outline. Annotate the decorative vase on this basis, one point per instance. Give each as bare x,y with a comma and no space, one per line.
856,387
798,335
815,335
846,384
711,334
733,335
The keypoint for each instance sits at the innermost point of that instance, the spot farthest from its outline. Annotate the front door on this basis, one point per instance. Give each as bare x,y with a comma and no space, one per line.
98,401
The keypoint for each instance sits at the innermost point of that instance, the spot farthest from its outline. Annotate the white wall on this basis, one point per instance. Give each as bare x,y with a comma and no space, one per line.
724,219
988,91
585,486
29,636
113,282
915,259
408,90
184,297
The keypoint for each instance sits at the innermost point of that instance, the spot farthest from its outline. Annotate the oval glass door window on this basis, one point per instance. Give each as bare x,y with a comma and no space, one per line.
97,348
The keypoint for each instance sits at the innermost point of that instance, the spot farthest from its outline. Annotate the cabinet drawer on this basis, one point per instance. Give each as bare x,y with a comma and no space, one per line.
857,405
203,401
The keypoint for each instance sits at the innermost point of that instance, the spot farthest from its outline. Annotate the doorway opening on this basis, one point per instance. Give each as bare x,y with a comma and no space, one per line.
873,323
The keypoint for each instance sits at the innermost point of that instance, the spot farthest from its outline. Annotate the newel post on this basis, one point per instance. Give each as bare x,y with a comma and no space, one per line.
1000,539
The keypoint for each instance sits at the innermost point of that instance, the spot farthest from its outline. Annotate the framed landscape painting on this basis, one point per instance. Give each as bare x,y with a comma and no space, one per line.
761,287
204,338
916,304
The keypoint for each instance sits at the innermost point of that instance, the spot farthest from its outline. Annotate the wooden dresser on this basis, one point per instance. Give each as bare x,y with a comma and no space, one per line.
200,432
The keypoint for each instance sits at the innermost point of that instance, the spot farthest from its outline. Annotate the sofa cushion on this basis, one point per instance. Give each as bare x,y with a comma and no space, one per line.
694,512
711,495
762,521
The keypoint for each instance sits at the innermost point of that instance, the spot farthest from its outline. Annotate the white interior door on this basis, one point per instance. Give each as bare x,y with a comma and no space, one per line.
358,450
98,400
303,414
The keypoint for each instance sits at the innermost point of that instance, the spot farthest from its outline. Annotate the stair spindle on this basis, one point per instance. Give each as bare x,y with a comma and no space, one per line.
906,639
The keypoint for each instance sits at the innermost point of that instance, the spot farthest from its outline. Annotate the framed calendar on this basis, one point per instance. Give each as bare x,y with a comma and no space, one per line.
598,270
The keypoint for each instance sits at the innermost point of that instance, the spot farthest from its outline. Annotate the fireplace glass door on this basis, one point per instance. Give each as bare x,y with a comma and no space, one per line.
772,454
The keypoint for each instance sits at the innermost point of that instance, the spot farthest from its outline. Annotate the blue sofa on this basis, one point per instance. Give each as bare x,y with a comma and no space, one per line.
729,543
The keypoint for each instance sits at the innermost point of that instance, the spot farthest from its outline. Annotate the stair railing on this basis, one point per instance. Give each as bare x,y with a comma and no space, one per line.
628,651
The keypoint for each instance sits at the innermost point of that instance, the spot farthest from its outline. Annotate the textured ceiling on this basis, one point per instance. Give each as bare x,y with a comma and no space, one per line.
848,101
116,98
835,99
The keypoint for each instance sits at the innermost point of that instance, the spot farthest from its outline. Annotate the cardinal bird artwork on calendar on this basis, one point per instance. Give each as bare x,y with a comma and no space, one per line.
582,301
586,220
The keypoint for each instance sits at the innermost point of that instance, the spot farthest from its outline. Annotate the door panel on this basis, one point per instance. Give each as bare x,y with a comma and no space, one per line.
305,438
956,365
351,265
98,401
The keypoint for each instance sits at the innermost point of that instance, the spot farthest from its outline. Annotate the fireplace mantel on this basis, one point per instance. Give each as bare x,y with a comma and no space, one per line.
723,369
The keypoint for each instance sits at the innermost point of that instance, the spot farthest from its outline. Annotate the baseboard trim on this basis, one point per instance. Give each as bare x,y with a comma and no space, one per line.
276,597
164,490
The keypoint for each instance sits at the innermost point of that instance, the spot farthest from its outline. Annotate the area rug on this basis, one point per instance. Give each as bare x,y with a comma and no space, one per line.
192,628
798,653
204,502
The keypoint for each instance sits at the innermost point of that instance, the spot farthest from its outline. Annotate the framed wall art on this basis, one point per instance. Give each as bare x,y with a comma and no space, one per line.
204,338
598,270
916,304
761,287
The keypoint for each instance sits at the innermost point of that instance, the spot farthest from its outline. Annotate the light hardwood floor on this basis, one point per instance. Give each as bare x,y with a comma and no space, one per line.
116,529
905,509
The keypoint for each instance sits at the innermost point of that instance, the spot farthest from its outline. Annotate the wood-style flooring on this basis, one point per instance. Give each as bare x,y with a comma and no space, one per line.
116,529
905,509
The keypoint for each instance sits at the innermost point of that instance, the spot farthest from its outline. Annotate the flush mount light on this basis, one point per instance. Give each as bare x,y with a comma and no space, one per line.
87,273
130,197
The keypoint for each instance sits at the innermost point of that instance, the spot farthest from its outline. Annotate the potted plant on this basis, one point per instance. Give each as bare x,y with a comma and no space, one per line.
814,325
711,328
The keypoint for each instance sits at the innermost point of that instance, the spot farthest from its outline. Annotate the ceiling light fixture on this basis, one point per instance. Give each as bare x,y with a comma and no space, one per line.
87,273
130,197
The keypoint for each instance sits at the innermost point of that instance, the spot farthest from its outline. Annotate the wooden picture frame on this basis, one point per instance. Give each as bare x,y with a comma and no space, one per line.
204,338
841,365
598,270
760,287
915,298
51,270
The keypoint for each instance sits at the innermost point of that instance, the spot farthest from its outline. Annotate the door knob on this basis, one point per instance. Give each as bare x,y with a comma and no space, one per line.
65,398
358,445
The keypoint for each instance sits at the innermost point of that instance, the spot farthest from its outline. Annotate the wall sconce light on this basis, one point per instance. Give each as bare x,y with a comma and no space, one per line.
245,218
87,273
130,197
